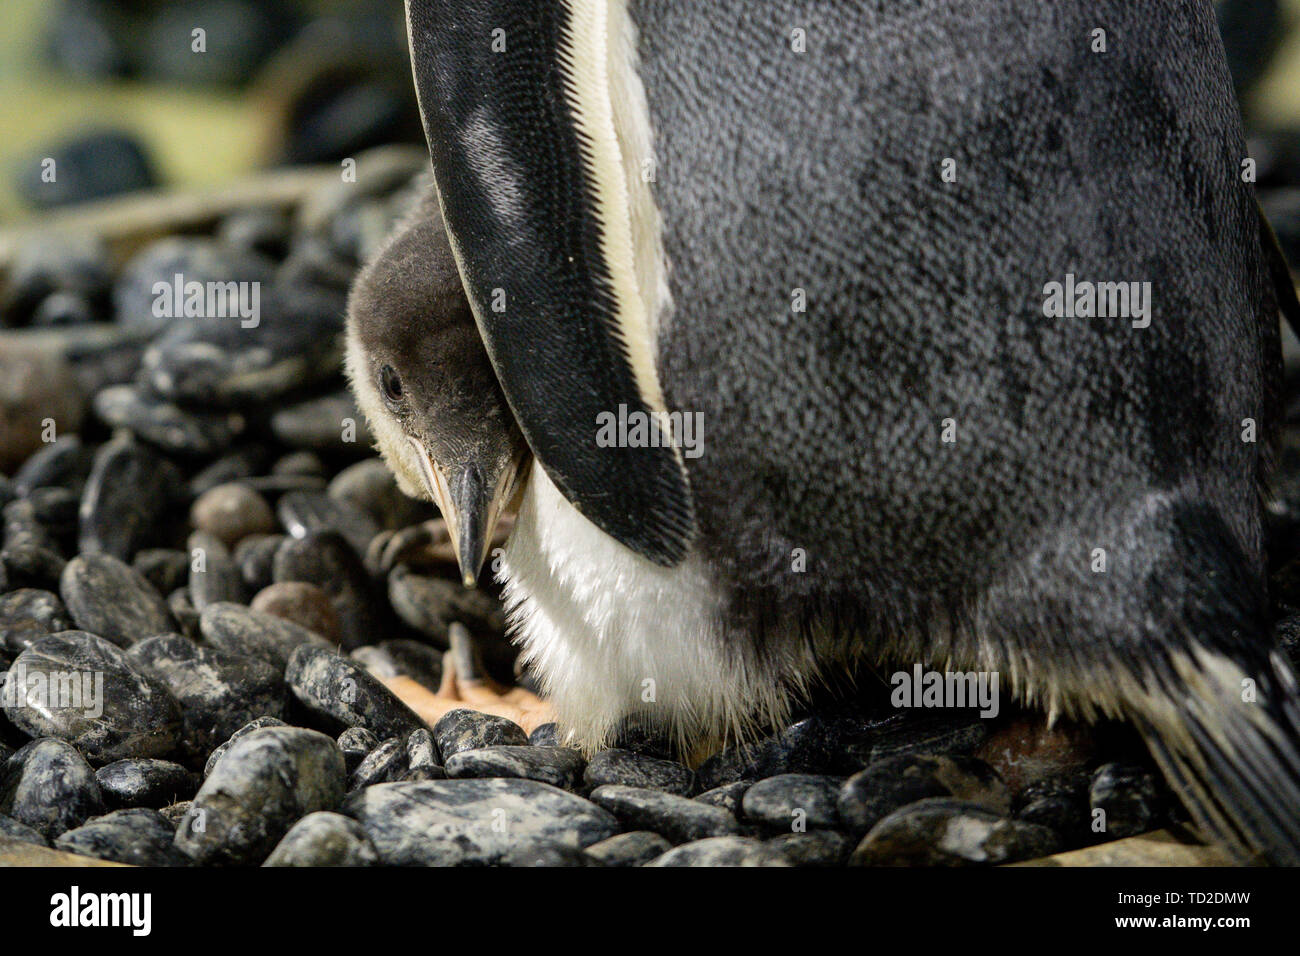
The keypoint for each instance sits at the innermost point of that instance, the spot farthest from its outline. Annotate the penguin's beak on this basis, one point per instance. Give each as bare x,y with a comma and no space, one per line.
470,506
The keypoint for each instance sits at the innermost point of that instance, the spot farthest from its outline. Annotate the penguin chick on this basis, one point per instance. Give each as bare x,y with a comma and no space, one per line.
423,380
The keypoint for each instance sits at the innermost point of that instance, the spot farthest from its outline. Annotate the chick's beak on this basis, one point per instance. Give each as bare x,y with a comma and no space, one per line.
470,506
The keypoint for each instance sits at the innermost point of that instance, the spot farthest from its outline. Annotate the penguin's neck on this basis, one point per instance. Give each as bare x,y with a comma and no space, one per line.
614,637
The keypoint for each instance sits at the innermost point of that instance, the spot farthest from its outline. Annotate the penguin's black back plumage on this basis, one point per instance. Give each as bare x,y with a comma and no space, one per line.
1072,502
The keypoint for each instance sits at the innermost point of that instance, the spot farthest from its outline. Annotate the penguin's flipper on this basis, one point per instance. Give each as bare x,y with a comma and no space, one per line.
537,132
1280,272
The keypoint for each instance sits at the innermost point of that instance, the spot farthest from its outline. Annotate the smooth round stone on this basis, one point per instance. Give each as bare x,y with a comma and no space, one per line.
304,604
145,782
137,836
942,832
356,743
559,766
931,733
814,848
28,614
11,828
461,729
30,562
214,578
48,786
63,463
125,498
1060,804
680,819
629,849
82,689
299,463
625,768
318,425
169,427
93,164
324,839
384,764
237,465
304,512
885,786
264,783
727,797
255,557
340,690
111,599
165,568
1130,798
293,344
218,692
431,605
421,750
55,262
56,511
546,855
370,486
722,851
257,723
403,658
262,230
546,735
238,630
793,800
198,260
473,821
325,559
231,512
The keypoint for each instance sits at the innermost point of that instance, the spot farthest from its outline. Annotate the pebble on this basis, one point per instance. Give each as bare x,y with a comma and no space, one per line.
421,750
1128,796
46,264
165,568
49,787
473,821
728,796
238,630
232,512
385,763
218,692
63,463
340,690
126,494
39,386
304,512
214,578
461,729
356,743
1061,805
793,801
91,165
265,782
680,819
324,558
559,766
887,785
184,432
109,598
629,849
137,836
816,848
629,769
928,733
319,424
324,839
420,662
255,558
304,604
11,828
722,851
939,831
28,614
370,486
431,605
256,723
85,690
145,782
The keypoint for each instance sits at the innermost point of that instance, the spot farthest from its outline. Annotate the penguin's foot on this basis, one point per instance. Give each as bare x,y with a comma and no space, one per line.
467,686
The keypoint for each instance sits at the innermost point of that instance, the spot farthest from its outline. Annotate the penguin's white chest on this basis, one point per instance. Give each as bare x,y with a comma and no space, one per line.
614,636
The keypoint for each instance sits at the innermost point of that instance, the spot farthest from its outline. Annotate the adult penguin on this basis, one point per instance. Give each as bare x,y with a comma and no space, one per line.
973,304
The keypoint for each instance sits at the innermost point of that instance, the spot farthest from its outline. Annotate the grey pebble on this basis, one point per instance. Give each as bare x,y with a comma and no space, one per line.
109,598
887,785
137,836
629,769
559,766
257,723
145,782
341,691
324,839
238,630
793,799
629,849
48,786
680,819
942,832
462,729
722,851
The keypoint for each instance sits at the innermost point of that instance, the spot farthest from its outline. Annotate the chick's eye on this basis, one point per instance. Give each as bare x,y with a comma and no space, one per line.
390,384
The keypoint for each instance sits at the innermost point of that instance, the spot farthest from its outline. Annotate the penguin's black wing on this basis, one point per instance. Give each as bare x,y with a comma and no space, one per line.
520,123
